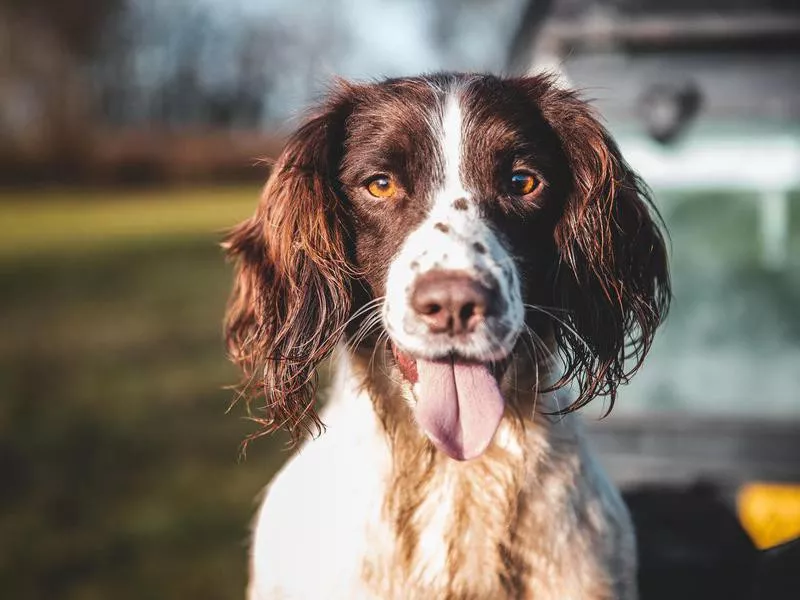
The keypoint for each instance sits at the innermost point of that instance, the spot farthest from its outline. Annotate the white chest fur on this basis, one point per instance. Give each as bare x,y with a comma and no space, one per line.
326,530
314,526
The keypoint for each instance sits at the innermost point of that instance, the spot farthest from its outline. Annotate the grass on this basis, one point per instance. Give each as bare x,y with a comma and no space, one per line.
121,470
41,222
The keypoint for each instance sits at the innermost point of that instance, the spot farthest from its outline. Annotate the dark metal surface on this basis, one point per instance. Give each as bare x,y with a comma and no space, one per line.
672,449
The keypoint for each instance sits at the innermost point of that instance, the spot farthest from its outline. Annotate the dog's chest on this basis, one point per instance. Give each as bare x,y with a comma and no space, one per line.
443,536
352,517
448,530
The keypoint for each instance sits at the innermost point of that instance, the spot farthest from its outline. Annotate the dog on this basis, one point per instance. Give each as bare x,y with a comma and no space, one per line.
479,261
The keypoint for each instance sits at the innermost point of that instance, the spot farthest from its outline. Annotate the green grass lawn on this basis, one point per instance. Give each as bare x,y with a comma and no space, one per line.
121,475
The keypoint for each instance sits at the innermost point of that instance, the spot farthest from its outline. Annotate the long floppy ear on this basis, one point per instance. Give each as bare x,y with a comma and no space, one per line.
613,280
291,293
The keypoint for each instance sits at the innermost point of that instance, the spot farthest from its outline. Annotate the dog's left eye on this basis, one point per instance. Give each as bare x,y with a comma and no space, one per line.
382,186
522,183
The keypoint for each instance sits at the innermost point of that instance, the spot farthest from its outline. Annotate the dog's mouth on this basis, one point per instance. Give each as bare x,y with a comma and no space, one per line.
458,402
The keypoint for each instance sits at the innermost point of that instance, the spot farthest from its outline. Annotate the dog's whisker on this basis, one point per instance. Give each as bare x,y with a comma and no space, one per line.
546,307
365,328
563,323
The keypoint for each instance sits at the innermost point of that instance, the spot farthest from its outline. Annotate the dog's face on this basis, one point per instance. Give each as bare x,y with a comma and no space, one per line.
449,213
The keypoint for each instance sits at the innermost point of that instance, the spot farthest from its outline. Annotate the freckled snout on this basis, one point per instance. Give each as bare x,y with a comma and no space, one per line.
452,302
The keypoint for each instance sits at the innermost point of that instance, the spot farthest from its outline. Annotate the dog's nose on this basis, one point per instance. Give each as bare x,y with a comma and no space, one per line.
452,301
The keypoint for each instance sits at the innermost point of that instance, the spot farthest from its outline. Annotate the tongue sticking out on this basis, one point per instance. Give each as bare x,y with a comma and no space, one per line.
459,406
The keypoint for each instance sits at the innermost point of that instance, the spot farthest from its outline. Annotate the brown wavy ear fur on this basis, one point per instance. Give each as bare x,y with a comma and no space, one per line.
612,279
291,293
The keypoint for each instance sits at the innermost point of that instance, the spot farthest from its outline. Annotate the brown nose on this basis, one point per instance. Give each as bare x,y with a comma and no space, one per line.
452,301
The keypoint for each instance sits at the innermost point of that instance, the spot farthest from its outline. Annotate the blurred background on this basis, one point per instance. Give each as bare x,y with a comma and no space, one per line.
131,136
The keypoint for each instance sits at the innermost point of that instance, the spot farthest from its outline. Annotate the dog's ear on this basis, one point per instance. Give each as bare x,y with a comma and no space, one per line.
612,280
291,294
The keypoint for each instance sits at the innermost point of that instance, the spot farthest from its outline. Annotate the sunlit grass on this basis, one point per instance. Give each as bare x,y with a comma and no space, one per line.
42,222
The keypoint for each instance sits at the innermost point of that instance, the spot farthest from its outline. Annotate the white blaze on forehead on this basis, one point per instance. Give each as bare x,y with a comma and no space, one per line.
452,236
451,145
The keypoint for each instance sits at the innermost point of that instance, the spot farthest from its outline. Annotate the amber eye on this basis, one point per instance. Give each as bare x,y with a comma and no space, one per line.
523,183
382,186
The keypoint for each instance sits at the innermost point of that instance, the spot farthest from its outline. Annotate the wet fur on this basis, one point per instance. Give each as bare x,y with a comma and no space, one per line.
394,518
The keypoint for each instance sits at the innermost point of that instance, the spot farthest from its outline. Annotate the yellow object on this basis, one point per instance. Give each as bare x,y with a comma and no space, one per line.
770,512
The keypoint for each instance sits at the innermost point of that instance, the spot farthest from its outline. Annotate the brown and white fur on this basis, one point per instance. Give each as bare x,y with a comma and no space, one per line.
555,289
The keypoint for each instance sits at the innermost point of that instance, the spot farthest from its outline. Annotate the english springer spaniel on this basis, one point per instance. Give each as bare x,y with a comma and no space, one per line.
480,261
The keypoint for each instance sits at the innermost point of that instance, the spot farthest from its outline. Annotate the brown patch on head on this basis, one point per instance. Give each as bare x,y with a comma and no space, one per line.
442,227
460,204
593,214
389,133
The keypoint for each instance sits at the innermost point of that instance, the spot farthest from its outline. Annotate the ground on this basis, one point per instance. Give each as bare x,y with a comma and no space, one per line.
121,469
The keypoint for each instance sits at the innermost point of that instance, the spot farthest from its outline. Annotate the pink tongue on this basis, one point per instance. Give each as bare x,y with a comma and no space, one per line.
459,406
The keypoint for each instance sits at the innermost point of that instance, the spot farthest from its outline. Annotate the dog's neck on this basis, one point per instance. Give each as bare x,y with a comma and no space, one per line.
460,517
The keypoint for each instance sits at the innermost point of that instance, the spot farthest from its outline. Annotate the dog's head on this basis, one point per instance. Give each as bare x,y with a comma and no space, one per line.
455,214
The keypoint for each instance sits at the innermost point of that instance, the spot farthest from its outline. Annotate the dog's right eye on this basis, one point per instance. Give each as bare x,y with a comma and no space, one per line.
523,183
382,186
